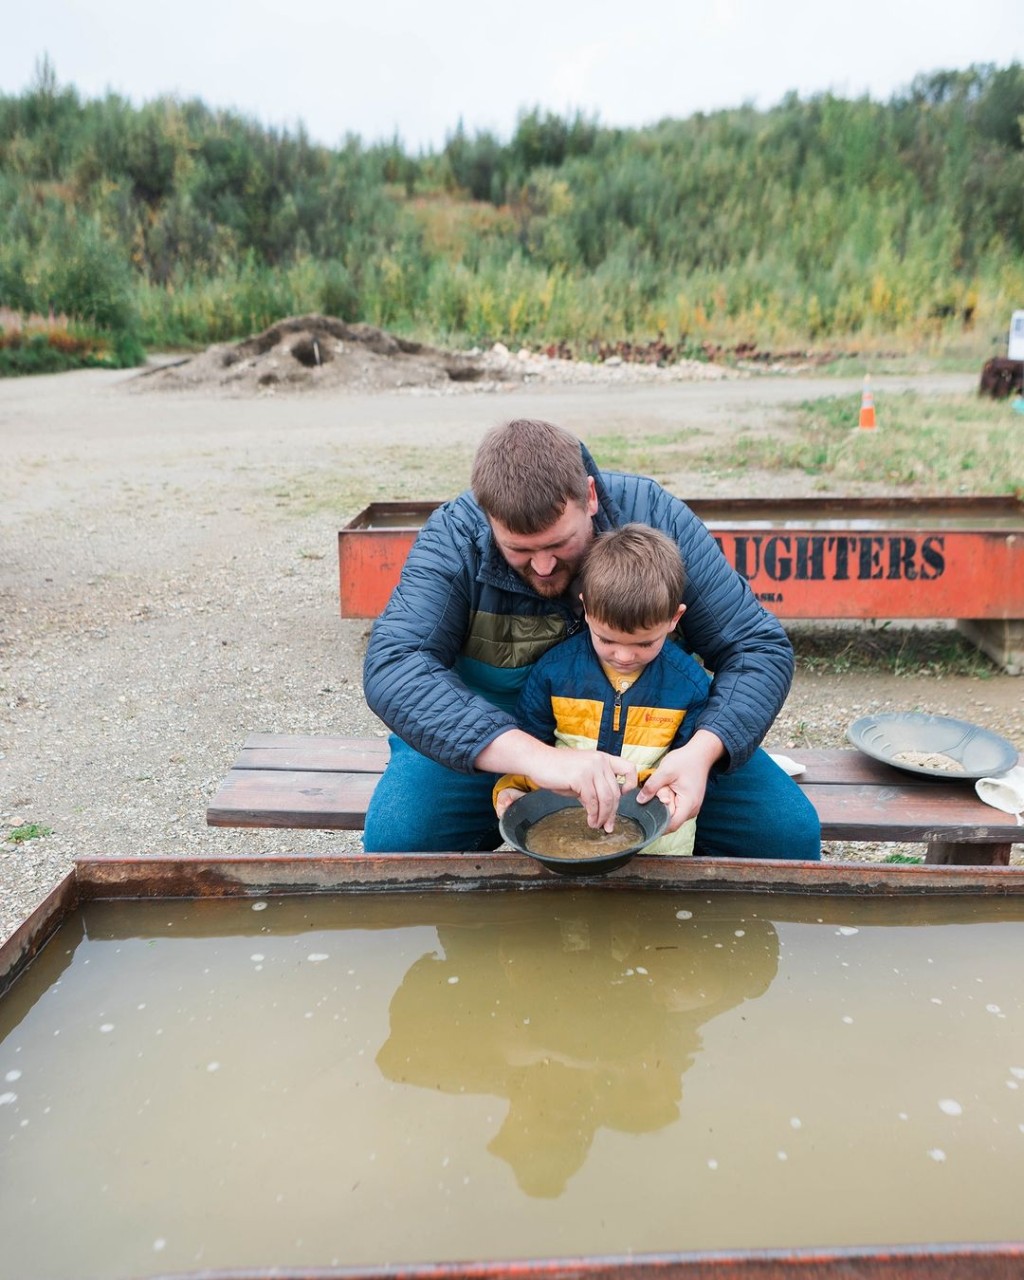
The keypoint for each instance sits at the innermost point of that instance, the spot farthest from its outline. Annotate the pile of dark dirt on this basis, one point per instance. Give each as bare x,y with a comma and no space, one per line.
322,351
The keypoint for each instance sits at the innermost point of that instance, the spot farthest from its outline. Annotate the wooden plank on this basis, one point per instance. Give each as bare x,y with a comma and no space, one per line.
297,740
944,853
847,766
324,782
289,798
911,814
312,754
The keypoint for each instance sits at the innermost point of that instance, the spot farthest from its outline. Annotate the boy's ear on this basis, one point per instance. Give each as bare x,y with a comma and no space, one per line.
679,613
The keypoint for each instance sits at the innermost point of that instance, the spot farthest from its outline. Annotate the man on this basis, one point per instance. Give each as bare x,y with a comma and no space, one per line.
488,588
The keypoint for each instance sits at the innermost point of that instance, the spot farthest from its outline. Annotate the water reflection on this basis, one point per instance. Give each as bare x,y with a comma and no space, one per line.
584,1016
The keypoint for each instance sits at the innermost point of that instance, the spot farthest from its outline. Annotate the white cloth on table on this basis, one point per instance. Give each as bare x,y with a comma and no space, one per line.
1005,792
788,765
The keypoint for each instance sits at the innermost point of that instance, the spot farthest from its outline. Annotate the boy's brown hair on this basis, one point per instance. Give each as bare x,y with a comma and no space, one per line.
524,473
632,578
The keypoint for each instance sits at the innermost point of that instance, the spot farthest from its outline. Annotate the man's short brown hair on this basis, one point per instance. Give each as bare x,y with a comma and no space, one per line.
632,578
524,473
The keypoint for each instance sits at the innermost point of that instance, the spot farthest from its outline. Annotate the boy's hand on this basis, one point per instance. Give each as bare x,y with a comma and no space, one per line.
504,798
681,779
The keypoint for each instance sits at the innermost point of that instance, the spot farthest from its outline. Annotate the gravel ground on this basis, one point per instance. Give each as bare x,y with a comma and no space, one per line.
168,584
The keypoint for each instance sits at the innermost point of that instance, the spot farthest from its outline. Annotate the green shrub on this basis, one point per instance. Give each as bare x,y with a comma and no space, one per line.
183,225
88,278
57,351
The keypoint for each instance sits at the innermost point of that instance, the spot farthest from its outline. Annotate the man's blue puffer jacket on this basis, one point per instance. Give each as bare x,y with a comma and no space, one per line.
449,654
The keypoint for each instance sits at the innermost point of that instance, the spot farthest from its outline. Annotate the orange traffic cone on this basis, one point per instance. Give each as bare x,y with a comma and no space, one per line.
867,407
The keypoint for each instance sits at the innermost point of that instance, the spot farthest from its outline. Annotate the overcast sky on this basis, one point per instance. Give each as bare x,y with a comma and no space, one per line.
416,67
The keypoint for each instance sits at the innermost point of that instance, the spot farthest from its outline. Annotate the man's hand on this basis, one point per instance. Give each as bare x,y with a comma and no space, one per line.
596,778
681,779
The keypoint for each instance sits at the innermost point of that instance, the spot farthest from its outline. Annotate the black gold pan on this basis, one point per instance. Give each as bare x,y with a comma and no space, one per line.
521,816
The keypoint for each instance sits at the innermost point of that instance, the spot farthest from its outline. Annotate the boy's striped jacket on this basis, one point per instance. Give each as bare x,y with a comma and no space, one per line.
568,701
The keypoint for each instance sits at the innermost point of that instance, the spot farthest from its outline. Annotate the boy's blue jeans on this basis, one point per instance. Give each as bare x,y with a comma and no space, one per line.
757,811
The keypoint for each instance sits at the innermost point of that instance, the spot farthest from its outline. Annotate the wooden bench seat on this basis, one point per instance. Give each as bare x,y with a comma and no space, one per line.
319,782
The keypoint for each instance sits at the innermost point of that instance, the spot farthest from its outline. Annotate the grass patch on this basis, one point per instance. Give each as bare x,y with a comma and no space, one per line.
899,651
393,473
659,455
910,858
28,831
952,445
937,445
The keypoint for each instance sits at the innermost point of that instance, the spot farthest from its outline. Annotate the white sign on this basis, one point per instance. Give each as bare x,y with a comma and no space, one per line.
1016,350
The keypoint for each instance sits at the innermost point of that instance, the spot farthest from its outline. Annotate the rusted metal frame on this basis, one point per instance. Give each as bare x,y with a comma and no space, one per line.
803,533
914,1262
974,511
203,876
35,931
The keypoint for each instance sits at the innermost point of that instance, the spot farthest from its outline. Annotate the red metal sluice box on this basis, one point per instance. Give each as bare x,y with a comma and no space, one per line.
460,1067
827,558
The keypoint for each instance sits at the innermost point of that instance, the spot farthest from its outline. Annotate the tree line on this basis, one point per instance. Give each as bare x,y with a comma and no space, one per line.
174,223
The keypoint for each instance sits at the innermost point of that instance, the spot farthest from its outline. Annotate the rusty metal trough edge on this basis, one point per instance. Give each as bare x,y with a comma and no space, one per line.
202,876
912,1262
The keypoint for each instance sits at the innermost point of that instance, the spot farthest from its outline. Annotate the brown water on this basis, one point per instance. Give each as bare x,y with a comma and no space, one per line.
361,1080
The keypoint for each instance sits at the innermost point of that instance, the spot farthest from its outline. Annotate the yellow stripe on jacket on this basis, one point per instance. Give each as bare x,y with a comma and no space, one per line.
577,722
649,733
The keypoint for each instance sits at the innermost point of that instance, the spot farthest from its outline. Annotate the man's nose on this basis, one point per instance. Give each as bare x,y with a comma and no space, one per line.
543,564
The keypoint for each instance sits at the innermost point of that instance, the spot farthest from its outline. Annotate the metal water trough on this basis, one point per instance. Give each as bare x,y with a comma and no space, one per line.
204,878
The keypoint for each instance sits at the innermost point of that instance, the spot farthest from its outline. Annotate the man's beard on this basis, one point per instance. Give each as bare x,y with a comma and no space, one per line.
554,584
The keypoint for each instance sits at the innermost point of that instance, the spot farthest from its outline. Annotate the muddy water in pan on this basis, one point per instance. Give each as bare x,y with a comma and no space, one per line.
358,1080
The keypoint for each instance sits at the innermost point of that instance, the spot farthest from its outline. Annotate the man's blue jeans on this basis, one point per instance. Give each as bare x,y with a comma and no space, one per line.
757,811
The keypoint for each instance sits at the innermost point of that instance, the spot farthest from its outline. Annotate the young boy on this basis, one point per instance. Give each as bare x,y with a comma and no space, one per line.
617,686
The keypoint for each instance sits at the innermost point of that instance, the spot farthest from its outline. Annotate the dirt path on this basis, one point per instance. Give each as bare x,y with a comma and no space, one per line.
168,583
